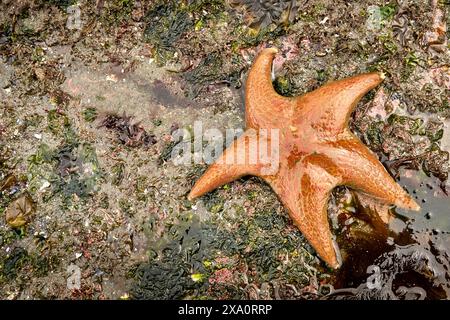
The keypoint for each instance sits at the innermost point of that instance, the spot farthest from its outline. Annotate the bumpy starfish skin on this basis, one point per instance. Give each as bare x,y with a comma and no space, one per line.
317,152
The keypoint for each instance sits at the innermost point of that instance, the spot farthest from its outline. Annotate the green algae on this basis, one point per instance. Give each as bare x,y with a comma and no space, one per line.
191,246
12,265
117,173
165,26
59,3
117,11
216,68
70,170
436,163
90,114
282,85
388,11
409,124
168,21
166,153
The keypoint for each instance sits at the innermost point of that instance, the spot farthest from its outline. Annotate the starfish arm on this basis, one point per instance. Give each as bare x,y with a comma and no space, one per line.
304,190
329,107
260,93
241,158
365,173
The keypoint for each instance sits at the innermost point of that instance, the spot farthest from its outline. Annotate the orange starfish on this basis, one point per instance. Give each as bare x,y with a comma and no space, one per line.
316,152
